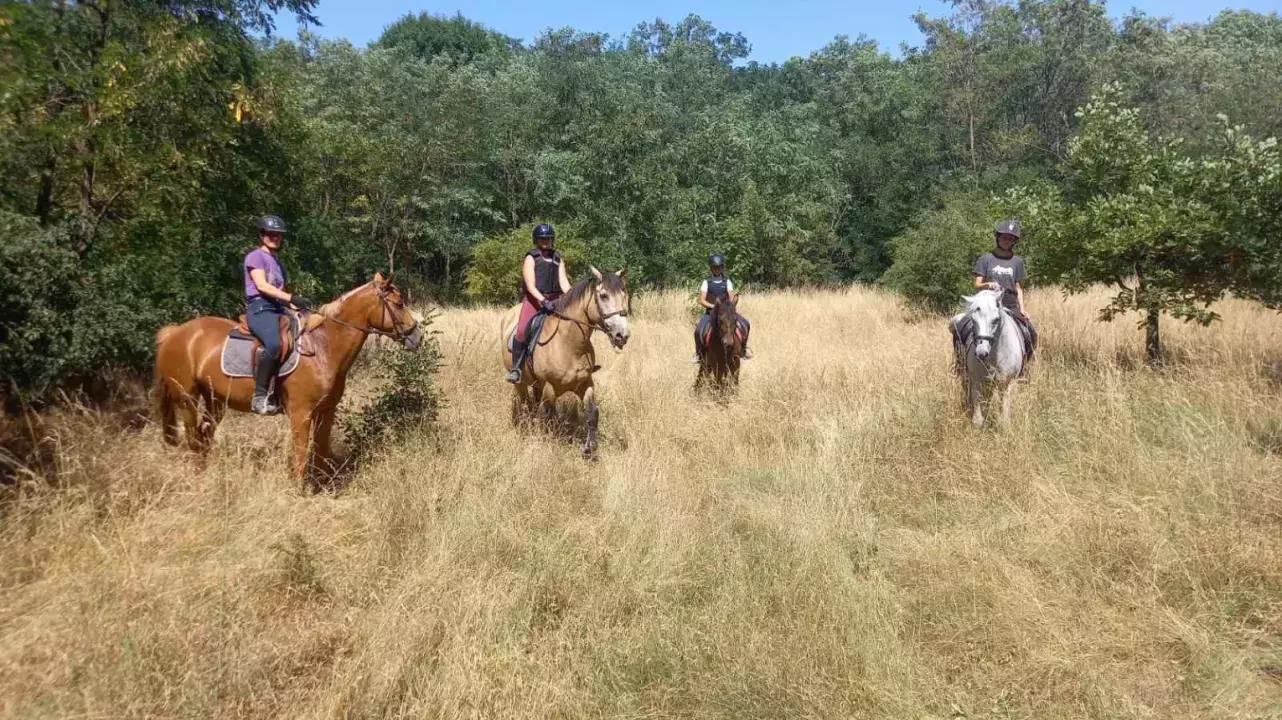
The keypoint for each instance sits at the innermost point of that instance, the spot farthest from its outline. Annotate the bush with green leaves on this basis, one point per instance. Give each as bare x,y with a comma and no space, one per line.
406,402
932,260
495,273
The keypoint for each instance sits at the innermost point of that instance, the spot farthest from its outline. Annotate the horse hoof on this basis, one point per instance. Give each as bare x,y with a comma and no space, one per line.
590,454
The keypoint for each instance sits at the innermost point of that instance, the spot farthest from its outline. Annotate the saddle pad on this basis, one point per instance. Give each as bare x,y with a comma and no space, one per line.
238,362
531,336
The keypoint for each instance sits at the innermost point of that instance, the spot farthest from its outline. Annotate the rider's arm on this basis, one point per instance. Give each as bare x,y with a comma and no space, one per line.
563,279
980,284
527,276
259,276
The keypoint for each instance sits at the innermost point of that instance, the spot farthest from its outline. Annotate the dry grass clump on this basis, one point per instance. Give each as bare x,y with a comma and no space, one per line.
837,541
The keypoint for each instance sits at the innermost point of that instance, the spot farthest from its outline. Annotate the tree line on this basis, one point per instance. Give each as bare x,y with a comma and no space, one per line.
139,139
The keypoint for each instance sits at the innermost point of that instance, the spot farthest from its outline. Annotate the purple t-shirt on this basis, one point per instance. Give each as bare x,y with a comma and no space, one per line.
260,259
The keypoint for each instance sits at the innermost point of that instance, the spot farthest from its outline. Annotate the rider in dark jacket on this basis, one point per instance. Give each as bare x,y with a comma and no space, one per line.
543,280
717,284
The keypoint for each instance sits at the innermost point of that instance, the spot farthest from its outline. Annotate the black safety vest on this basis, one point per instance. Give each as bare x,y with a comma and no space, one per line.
717,287
547,273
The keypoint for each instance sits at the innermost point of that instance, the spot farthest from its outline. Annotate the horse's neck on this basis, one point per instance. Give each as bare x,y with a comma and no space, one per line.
344,342
1010,345
578,310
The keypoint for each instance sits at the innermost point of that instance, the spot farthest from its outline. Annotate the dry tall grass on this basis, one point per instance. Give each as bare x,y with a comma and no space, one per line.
837,542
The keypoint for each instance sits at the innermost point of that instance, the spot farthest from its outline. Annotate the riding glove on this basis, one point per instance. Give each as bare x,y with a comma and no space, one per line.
300,302
548,306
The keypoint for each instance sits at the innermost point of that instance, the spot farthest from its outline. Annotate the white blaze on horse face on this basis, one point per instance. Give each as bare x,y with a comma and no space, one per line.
615,324
986,314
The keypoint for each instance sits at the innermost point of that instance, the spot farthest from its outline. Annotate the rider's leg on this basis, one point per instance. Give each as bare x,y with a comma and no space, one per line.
519,344
264,322
699,329
747,330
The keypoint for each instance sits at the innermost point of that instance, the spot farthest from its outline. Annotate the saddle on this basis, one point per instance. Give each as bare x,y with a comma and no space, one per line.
532,336
290,330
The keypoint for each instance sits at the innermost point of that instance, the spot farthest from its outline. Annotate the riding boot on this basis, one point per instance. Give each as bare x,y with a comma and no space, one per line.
518,358
262,402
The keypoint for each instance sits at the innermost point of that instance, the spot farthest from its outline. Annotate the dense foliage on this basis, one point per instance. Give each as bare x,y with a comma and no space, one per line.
138,141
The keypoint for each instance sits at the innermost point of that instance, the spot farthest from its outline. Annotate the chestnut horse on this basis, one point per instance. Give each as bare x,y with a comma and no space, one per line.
719,364
190,382
564,359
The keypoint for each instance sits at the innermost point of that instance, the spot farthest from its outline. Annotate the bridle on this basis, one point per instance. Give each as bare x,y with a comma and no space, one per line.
997,330
398,333
600,322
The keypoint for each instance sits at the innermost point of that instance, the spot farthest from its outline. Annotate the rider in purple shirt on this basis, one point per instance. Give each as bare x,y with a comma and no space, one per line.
266,297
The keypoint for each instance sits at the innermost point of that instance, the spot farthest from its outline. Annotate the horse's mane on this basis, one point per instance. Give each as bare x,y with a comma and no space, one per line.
972,302
612,282
330,309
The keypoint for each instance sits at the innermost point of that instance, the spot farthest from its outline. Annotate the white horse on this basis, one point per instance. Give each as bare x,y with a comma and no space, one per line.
995,359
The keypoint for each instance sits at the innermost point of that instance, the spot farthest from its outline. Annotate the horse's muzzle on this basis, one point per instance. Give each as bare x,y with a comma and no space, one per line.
414,340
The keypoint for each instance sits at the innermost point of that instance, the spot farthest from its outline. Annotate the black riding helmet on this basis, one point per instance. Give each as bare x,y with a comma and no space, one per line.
271,223
717,260
1008,227
542,231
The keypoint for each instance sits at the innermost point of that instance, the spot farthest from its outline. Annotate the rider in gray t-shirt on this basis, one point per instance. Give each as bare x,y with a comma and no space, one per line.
1001,269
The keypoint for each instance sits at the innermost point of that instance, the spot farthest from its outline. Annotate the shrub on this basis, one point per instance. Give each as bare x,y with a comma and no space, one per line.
931,261
406,403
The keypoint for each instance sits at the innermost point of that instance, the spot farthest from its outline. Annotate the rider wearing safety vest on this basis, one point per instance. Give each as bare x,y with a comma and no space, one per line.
543,280
1001,269
267,300
714,286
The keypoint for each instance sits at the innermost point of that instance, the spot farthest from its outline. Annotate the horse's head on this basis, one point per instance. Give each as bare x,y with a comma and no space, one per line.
612,305
388,315
725,321
985,311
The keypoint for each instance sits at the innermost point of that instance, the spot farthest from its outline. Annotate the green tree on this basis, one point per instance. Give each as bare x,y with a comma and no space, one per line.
1170,232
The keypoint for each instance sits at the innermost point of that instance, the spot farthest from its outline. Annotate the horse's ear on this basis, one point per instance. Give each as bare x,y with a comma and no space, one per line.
968,299
389,278
623,272
378,278
596,273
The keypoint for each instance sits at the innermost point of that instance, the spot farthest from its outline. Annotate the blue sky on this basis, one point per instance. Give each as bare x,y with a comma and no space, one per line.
776,30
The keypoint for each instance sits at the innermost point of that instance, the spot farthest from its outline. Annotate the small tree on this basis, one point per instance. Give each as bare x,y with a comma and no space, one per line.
1171,232
932,260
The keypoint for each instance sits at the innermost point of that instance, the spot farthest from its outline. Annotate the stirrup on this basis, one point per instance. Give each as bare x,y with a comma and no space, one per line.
747,354
694,359
263,405
514,375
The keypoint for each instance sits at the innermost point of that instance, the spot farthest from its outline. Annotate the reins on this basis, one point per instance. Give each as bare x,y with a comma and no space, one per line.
396,334
598,325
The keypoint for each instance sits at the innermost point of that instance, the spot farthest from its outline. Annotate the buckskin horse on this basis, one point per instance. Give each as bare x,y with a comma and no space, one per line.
190,382
563,359
722,349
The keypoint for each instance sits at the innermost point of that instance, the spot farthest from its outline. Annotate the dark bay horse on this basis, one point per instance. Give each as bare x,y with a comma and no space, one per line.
190,382
719,364
563,360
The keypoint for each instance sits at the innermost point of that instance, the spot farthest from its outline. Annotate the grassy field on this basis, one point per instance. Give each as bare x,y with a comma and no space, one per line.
837,542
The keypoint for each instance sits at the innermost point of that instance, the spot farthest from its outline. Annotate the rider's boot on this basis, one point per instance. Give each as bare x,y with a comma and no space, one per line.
518,358
264,372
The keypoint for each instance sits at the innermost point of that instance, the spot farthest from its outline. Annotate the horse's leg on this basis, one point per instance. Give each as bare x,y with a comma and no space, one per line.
301,427
322,425
976,393
209,419
1008,394
594,415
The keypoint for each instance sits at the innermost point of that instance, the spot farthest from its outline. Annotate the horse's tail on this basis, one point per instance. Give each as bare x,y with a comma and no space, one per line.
165,402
